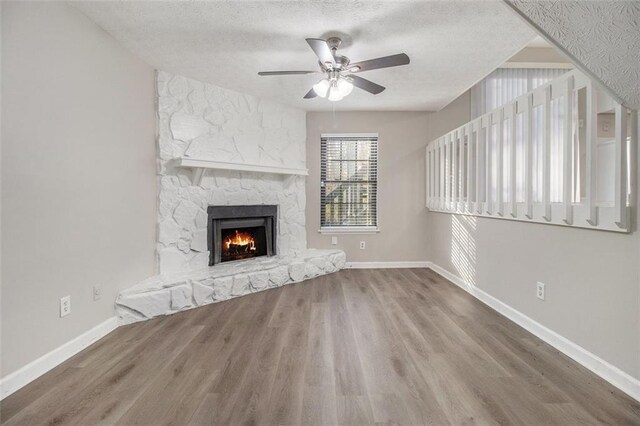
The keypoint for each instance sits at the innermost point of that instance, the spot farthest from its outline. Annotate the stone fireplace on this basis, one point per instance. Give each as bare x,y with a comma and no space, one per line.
204,122
241,232
209,221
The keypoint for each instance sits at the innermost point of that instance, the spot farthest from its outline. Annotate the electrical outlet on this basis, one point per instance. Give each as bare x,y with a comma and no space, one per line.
540,291
362,245
65,306
97,292
334,241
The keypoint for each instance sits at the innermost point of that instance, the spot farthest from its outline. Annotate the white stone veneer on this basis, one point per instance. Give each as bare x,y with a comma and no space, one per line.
204,121
167,294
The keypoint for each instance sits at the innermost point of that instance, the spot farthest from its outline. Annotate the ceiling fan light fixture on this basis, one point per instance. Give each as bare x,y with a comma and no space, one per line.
321,88
345,86
335,94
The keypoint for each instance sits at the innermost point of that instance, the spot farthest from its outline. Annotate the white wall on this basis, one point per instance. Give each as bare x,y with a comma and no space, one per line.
539,54
592,277
204,121
78,175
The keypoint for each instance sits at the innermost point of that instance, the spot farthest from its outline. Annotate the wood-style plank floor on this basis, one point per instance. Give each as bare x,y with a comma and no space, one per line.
400,346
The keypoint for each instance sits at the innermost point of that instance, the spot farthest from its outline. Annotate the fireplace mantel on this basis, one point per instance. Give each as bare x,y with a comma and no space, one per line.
199,165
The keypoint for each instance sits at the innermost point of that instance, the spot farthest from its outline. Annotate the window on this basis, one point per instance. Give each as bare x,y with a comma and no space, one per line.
505,84
348,183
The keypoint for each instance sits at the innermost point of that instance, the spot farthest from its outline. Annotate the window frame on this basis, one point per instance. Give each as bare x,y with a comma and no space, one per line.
352,229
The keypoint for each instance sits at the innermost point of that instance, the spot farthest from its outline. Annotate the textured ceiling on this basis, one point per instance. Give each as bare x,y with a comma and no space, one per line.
452,44
601,37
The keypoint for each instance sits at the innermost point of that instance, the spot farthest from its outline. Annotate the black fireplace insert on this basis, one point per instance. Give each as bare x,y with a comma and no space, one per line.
241,232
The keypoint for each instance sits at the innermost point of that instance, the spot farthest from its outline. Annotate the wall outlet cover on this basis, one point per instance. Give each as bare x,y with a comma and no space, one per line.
540,290
65,306
362,245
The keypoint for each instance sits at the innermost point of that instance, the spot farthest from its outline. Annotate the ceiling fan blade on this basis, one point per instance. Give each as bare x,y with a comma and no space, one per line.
321,49
287,72
366,85
310,94
384,62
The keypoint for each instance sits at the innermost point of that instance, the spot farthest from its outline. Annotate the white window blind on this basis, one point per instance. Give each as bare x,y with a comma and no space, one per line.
505,84
562,154
348,181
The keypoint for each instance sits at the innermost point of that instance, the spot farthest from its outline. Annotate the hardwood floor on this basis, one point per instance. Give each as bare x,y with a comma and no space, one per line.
398,346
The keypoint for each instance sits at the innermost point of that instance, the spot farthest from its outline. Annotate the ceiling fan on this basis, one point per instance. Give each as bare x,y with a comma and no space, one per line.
340,73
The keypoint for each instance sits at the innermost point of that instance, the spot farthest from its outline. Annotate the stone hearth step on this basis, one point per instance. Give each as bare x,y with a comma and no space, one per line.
167,294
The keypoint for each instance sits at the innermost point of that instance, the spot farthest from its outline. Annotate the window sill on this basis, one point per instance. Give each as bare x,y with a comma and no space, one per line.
349,230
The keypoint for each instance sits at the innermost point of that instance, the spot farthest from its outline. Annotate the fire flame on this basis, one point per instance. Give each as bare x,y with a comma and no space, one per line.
241,239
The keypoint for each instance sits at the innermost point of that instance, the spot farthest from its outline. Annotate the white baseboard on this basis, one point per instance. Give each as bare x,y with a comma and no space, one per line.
386,265
612,374
48,361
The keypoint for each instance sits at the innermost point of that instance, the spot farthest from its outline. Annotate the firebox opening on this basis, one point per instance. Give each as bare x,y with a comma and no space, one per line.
243,243
241,232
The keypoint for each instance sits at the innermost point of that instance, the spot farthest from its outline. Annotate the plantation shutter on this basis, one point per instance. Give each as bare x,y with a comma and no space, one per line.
348,181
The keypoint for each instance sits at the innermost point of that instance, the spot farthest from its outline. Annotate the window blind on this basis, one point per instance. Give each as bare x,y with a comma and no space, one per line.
348,181
505,84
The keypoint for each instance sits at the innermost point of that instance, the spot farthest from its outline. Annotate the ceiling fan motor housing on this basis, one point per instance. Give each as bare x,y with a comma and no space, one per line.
340,62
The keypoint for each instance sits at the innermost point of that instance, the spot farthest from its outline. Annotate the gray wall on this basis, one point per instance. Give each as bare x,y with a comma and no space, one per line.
592,277
78,175
401,187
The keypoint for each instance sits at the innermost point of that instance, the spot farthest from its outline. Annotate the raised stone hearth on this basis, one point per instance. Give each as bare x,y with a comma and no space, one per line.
167,294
